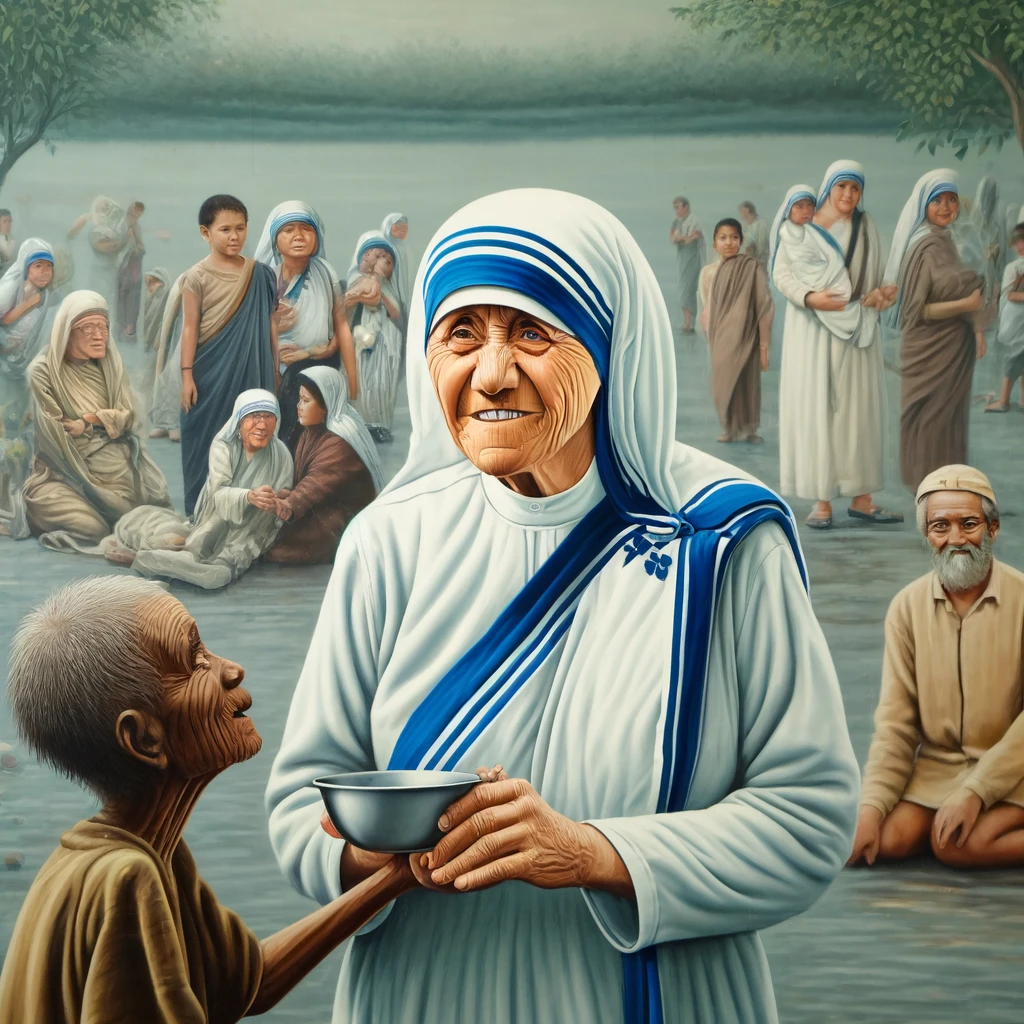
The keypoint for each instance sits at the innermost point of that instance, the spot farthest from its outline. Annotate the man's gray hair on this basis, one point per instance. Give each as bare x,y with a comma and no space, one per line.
78,661
988,507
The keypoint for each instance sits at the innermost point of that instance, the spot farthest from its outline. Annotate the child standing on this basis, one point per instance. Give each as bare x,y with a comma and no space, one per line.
228,335
1011,322
738,320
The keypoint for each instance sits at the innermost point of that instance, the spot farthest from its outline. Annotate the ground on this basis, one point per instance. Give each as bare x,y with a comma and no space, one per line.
915,943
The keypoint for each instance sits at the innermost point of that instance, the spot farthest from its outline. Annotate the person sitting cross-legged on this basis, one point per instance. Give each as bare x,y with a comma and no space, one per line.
945,770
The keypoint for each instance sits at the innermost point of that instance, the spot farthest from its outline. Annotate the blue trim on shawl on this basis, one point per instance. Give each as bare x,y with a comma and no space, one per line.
294,218
829,237
36,257
834,180
940,189
378,242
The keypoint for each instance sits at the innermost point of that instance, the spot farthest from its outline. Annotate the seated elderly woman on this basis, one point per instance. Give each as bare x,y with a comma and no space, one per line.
235,518
337,472
90,466
110,683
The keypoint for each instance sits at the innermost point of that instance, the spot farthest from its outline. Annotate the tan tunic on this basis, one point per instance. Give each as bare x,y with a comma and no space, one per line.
953,689
108,933
219,293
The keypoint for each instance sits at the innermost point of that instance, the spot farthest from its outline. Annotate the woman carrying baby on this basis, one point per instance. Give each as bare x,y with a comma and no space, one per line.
832,406
737,318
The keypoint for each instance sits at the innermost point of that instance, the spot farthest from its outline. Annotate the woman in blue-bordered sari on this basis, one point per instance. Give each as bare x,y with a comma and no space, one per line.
625,628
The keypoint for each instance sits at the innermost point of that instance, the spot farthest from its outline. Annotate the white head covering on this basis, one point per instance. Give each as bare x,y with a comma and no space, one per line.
312,292
248,402
793,196
343,420
841,170
573,260
23,335
372,240
160,274
914,225
401,279
12,284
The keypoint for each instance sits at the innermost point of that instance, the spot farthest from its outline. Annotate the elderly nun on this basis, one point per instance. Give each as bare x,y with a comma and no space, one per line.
552,581
832,405
938,300
235,519
90,467
312,329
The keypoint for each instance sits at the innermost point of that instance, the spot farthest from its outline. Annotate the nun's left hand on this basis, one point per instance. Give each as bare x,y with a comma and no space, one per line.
505,831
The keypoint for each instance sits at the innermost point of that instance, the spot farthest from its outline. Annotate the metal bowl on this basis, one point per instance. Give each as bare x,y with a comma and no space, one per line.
392,811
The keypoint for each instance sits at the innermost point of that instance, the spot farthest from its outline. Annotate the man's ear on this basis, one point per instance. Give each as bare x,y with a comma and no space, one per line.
142,736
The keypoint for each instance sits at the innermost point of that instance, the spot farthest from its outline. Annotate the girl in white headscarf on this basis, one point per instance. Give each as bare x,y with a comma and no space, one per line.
235,518
832,406
25,301
395,228
468,622
312,329
337,472
938,300
378,327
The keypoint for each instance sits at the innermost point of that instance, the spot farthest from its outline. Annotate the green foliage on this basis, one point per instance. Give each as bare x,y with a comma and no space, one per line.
955,67
56,56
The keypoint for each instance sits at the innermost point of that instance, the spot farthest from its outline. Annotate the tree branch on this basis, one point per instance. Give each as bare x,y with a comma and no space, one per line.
1000,68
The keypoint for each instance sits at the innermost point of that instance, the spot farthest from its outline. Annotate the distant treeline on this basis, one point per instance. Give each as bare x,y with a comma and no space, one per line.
426,91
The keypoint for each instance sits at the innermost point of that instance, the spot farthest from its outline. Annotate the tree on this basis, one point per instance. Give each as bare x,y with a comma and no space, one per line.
954,67
56,56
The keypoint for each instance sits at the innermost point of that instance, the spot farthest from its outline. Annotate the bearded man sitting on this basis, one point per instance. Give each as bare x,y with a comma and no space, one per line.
111,684
945,770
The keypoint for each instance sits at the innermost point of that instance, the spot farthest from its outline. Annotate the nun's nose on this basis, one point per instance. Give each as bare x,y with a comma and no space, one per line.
496,369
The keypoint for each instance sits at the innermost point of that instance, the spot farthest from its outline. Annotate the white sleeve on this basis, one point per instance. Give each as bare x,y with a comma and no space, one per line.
786,281
773,845
328,726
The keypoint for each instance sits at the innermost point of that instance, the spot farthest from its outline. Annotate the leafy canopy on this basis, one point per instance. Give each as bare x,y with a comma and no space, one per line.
56,57
955,67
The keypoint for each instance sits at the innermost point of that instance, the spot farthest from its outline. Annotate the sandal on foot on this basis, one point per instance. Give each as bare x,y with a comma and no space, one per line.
818,522
876,515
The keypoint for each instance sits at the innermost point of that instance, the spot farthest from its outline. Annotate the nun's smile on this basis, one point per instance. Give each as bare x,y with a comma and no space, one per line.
943,209
514,390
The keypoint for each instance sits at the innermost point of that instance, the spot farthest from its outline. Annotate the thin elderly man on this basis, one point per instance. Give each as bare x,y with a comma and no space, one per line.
111,684
946,765
91,466
756,233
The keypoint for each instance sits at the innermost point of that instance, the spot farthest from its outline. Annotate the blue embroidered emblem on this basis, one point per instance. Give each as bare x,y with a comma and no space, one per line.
638,545
658,565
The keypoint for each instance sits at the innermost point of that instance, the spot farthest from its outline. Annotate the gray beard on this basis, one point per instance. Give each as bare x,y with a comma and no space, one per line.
957,572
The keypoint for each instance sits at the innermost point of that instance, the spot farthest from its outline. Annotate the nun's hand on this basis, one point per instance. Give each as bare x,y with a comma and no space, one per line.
826,302
974,301
504,830
263,498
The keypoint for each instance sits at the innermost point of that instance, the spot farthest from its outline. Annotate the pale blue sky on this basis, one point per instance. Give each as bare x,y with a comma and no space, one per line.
594,24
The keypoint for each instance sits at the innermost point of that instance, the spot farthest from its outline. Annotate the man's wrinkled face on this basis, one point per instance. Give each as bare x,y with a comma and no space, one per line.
512,388
944,209
256,430
297,240
845,197
204,717
88,338
960,537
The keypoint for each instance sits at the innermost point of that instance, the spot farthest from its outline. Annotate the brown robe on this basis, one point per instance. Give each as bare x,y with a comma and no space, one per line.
937,359
110,932
740,299
331,486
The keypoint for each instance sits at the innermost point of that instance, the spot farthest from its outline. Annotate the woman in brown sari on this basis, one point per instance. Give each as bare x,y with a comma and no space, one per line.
337,472
938,298
738,321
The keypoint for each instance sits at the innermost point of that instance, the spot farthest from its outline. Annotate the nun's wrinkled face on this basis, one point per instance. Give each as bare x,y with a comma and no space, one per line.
256,430
944,209
845,197
297,240
88,338
40,273
309,410
513,389
400,230
802,211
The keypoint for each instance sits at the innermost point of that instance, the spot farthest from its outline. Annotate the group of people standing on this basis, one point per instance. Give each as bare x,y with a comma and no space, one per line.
265,363
948,280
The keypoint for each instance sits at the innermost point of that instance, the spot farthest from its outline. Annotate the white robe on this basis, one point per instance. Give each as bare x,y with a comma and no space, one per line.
832,402
1011,314
769,811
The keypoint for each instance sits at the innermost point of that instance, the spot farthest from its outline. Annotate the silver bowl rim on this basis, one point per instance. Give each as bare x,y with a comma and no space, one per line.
325,782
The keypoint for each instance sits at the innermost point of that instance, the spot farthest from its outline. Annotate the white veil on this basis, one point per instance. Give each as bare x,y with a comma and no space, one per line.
793,196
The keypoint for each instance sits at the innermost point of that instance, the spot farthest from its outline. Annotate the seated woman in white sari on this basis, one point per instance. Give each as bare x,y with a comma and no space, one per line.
553,580
25,301
234,520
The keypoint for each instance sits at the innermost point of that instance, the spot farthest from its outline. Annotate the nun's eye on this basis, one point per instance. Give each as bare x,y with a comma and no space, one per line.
462,334
529,334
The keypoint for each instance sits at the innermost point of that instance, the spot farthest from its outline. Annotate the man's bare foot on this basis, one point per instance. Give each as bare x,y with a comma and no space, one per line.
725,438
755,439
119,556
174,435
997,407
157,432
